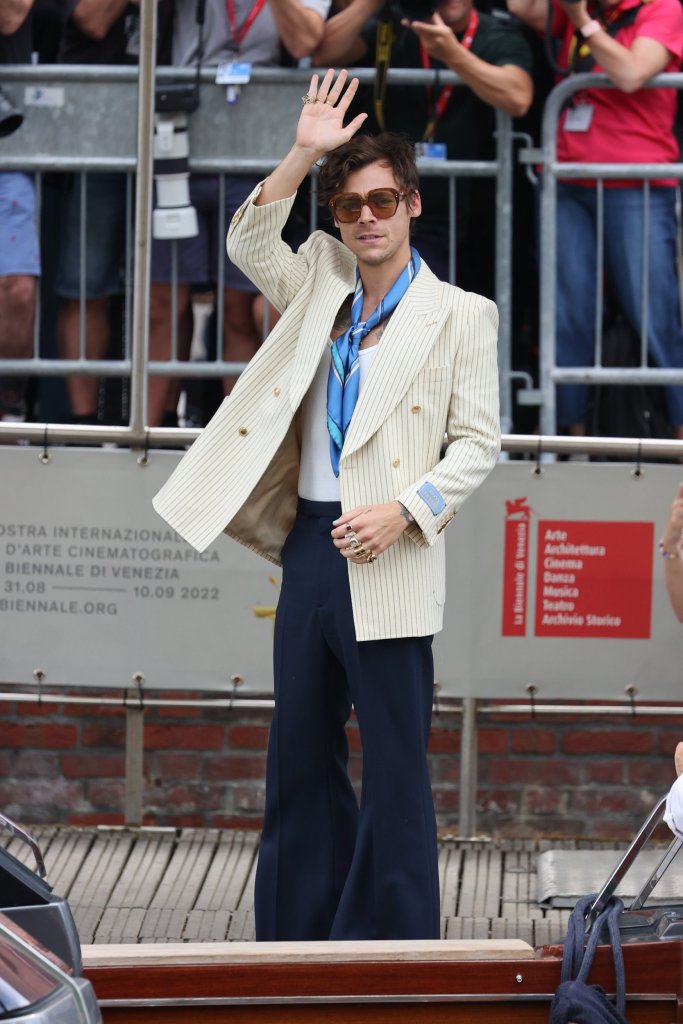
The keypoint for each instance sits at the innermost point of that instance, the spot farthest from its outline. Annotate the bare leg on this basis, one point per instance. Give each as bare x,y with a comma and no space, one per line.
241,339
17,318
17,315
163,391
83,391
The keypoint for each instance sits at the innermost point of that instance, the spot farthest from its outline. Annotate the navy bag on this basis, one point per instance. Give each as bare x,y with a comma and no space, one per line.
575,1001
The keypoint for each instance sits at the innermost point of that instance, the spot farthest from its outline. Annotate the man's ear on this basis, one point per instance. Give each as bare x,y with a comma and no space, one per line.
415,204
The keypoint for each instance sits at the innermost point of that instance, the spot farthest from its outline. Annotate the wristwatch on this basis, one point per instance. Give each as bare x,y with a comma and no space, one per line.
590,28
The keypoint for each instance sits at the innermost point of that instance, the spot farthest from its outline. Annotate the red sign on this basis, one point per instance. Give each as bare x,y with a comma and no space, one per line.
516,567
594,579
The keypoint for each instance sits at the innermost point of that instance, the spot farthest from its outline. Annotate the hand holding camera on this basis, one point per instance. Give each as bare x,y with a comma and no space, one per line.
435,35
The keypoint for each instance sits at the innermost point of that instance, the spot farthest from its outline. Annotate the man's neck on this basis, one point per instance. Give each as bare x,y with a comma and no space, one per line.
377,280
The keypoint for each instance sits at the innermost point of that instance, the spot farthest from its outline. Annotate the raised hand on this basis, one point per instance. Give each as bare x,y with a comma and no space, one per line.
321,124
320,129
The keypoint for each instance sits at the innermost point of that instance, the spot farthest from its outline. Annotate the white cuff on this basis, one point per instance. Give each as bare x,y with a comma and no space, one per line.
674,808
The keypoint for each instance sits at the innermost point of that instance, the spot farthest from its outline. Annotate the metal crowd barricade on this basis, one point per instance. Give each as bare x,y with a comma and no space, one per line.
80,119
551,171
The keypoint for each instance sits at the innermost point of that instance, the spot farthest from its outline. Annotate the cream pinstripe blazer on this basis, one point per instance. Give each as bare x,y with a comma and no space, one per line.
435,372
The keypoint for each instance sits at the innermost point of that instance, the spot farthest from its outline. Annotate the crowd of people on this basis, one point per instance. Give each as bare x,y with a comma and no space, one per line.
497,52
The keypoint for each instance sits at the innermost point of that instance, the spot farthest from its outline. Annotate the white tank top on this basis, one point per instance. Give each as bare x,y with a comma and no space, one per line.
317,481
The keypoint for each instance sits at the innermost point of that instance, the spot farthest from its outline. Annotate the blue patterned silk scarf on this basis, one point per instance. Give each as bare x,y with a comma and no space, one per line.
343,381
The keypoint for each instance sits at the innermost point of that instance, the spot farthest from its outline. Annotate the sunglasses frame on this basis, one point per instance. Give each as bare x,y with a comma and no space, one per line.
367,201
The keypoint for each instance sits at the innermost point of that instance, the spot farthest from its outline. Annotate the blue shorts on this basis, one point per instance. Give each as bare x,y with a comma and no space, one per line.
19,247
105,236
198,257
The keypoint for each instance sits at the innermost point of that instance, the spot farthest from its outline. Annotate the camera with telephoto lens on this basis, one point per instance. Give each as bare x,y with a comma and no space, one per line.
173,216
417,10
10,117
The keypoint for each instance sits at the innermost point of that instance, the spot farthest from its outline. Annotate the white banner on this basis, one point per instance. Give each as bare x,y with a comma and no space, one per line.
553,580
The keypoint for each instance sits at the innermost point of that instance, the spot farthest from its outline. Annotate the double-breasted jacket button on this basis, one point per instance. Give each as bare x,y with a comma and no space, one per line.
416,408
276,392
396,463
243,431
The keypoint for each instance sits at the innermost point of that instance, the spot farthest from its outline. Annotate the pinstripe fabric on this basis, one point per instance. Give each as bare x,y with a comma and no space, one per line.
435,371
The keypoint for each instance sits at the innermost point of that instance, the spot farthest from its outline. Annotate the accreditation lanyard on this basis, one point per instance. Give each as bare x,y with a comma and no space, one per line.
384,43
445,93
238,34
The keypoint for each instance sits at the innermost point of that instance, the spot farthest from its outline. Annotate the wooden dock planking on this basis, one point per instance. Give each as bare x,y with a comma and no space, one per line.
229,873
100,869
189,885
186,870
144,870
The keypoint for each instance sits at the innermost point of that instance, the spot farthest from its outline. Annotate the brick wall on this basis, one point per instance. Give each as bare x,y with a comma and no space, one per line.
592,776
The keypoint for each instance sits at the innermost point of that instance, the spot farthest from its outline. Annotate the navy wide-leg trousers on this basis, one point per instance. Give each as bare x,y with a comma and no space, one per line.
328,869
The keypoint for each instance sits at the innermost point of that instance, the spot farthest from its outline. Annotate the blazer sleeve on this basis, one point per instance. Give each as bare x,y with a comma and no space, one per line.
254,244
472,431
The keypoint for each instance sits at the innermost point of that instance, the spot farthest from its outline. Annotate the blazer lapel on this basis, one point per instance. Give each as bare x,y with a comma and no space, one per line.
411,332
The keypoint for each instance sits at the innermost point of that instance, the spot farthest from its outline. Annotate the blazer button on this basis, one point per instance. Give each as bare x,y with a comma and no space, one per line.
243,431
396,463
416,408
276,392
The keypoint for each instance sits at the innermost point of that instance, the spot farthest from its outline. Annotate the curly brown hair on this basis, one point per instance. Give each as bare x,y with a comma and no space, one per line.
391,149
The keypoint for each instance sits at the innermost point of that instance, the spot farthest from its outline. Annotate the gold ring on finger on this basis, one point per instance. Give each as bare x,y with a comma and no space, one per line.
371,557
308,99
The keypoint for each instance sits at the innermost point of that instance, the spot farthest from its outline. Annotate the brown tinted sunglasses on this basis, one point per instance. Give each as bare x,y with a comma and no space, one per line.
383,202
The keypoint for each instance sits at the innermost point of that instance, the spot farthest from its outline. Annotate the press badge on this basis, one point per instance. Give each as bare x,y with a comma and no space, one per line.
233,74
579,118
431,150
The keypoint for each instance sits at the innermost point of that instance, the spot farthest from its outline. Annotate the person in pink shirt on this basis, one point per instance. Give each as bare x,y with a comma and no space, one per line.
630,41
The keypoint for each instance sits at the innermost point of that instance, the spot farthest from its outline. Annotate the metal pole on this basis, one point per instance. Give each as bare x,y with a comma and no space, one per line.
135,720
548,264
468,768
503,265
143,212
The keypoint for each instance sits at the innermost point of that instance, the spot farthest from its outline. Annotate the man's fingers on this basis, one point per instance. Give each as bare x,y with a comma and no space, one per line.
336,90
678,758
325,86
354,125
